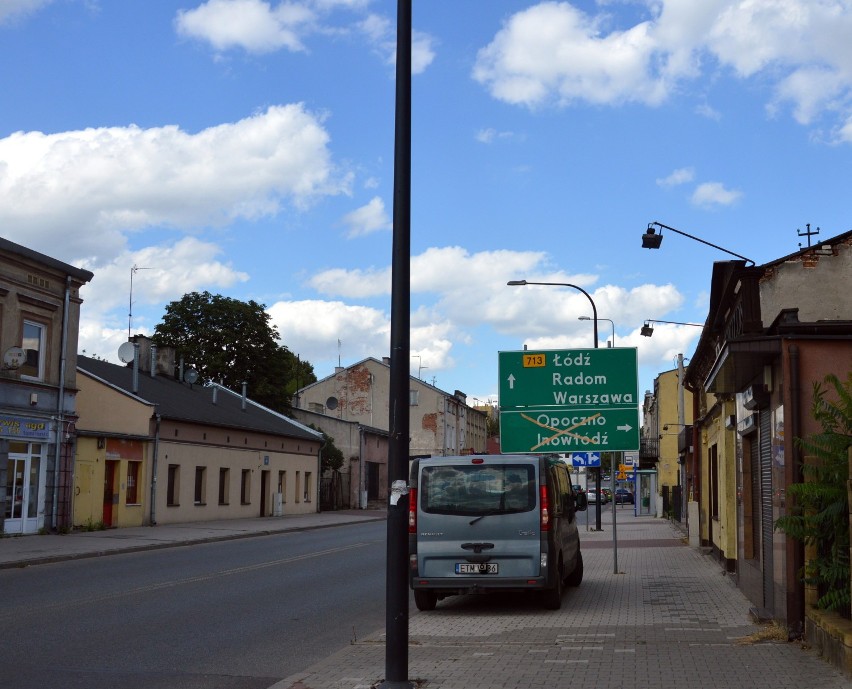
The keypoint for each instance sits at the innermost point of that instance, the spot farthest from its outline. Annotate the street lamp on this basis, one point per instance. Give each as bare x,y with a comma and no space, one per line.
647,330
588,318
652,240
522,283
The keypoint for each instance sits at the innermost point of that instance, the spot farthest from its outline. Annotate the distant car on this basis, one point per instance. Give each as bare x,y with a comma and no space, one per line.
578,488
607,494
623,496
593,496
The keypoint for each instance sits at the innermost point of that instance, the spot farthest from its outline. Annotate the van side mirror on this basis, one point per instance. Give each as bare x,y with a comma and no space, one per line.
582,501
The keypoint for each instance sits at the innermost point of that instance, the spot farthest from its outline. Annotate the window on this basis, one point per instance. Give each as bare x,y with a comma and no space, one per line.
298,489
282,485
132,494
245,487
474,489
33,346
200,485
224,493
173,487
307,486
413,398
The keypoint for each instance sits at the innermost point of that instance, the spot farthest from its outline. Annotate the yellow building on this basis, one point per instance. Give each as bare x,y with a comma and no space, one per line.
153,449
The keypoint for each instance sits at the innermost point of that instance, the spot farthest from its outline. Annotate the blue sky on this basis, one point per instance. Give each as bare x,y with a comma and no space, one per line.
245,147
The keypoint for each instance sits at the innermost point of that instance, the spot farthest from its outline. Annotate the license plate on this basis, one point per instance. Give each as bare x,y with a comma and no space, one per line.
476,568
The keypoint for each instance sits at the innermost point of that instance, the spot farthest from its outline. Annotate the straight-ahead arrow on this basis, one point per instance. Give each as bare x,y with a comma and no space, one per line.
511,381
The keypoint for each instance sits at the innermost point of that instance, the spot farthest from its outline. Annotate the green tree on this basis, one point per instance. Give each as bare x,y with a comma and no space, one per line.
820,516
231,341
332,456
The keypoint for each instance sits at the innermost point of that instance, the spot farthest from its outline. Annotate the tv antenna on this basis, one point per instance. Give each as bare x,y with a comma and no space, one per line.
130,307
807,233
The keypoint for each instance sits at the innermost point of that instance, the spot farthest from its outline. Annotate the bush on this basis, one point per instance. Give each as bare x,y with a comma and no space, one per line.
820,515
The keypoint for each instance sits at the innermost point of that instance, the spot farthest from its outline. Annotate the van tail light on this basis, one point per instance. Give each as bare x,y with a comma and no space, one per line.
412,510
545,510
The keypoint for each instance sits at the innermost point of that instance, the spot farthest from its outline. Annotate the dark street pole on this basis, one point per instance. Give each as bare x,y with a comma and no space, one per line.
396,620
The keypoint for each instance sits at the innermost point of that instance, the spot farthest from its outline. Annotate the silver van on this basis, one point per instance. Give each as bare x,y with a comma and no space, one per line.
483,523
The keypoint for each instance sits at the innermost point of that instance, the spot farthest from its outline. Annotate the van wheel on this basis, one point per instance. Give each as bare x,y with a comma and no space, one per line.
576,577
553,597
425,600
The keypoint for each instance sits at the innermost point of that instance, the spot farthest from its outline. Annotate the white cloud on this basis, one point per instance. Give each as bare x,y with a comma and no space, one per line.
381,33
554,54
352,284
682,175
164,273
15,9
109,181
712,194
367,219
253,25
489,135
314,326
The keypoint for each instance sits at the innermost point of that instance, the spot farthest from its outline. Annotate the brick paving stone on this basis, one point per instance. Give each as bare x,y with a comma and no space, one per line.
669,619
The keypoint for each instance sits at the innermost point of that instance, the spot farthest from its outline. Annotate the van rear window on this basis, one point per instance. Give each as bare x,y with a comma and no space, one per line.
477,489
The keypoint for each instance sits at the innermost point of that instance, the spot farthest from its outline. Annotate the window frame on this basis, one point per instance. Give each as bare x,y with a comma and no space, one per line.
131,491
41,365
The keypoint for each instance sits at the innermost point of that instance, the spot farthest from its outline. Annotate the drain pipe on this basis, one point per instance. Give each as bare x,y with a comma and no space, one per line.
154,459
60,403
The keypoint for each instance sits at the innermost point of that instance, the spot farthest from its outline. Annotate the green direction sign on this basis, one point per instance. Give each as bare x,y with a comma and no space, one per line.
571,378
560,430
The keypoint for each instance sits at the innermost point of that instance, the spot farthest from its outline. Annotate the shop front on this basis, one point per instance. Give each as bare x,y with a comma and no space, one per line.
23,452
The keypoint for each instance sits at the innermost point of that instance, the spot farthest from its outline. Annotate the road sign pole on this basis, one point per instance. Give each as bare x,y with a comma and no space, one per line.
614,500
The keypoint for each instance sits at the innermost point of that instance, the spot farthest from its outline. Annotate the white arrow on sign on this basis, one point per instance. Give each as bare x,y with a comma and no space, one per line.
511,381
625,427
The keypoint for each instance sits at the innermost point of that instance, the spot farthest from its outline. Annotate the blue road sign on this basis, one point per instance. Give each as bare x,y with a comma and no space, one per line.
586,459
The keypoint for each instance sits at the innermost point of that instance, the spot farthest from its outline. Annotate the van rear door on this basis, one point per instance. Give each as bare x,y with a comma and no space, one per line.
478,517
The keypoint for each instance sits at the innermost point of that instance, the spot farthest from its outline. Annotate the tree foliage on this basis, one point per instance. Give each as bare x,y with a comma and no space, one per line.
820,516
230,342
332,456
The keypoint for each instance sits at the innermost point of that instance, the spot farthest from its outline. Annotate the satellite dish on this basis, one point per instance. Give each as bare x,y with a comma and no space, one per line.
191,376
331,403
126,352
14,358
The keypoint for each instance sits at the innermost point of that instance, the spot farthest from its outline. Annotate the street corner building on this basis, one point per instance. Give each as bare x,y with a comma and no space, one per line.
39,319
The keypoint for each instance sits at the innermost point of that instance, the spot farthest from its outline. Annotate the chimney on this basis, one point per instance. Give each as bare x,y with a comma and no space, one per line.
143,344
386,360
135,367
215,391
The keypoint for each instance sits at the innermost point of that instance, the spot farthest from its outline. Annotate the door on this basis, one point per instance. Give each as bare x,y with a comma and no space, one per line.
264,490
24,488
110,495
85,493
372,481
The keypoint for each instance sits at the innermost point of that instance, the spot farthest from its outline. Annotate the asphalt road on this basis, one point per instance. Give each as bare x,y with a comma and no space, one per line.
236,614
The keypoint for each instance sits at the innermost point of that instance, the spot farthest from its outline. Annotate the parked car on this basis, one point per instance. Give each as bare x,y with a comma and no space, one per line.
593,496
623,497
607,494
492,523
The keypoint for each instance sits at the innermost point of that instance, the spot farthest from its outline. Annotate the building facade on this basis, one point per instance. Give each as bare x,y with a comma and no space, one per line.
363,478
441,423
155,449
773,331
39,323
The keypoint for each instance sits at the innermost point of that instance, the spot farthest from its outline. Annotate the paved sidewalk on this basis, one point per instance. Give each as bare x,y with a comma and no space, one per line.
670,619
